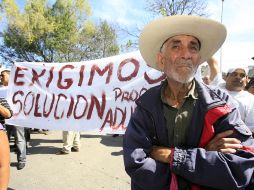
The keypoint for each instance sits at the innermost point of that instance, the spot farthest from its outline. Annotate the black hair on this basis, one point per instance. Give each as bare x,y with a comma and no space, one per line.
250,83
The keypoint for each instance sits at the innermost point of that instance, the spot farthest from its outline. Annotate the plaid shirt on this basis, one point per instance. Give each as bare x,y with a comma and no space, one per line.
4,103
1,127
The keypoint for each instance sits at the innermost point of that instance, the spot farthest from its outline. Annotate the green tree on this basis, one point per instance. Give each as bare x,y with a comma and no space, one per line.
58,33
105,39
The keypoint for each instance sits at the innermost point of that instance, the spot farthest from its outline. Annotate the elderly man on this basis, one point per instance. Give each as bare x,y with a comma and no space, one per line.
184,134
234,84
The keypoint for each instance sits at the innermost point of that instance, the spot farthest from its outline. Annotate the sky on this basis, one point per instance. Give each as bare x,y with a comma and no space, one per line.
237,16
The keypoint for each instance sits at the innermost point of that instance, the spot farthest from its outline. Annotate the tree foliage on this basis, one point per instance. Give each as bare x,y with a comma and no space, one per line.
61,32
177,7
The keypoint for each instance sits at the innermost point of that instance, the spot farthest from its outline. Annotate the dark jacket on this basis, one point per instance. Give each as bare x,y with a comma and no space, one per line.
209,169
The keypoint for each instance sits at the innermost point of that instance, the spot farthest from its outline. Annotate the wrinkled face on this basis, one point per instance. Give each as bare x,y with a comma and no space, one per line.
5,78
179,58
237,80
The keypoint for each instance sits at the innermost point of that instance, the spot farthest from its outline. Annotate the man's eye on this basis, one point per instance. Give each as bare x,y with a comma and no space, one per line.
194,48
175,47
242,75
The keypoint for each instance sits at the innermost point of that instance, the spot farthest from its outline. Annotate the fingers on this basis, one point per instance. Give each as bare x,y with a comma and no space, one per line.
228,141
223,144
228,145
222,138
228,150
224,134
220,146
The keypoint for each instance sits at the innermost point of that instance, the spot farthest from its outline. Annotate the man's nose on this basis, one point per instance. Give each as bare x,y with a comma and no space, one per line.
185,53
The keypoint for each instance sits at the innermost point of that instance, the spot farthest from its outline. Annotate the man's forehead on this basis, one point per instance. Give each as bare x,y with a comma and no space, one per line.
5,71
177,37
238,70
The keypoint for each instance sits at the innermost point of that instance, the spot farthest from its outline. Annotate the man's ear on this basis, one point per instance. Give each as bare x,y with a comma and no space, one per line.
246,81
160,61
199,58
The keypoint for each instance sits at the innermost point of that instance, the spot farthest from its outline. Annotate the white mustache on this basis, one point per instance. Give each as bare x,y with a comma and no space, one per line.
186,64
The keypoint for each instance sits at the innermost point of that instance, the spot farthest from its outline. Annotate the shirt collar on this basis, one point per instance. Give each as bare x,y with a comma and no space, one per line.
192,93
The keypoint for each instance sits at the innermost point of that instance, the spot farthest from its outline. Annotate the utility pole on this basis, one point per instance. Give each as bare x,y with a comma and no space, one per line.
221,20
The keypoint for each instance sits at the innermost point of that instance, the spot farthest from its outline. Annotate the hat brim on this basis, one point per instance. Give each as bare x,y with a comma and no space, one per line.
210,33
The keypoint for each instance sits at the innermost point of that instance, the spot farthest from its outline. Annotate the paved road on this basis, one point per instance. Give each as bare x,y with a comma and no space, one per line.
98,165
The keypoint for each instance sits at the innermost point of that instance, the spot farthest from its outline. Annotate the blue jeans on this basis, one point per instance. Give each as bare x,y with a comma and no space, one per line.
21,143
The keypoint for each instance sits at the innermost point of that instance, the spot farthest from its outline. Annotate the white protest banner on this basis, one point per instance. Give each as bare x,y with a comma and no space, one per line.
96,95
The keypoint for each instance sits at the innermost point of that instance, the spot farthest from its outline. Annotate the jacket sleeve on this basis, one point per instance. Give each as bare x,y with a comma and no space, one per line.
145,172
215,169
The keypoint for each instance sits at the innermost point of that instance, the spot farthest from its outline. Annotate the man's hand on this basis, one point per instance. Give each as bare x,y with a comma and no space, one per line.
213,67
161,154
222,143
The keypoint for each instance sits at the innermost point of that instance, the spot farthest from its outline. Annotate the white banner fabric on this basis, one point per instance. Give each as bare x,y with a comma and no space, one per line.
97,95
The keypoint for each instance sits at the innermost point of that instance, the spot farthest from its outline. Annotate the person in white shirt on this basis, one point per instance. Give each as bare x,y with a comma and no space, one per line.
234,83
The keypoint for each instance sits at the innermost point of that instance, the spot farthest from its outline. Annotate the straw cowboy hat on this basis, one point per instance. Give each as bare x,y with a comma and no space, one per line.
210,33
